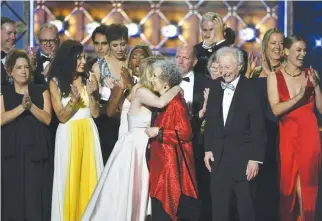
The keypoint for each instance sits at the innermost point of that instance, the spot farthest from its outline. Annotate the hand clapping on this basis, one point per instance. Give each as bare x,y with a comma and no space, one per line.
314,77
75,94
91,85
26,101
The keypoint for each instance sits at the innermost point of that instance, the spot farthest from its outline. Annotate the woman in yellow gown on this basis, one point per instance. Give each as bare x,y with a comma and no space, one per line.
78,158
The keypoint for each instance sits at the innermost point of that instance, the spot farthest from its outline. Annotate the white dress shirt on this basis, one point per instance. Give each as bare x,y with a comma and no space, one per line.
209,48
44,65
187,87
3,60
228,97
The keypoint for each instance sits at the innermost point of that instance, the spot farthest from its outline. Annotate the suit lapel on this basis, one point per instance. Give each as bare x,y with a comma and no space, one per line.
232,107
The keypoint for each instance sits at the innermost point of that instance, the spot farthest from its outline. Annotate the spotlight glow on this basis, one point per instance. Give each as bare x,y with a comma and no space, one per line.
59,24
170,31
247,34
318,42
90,27
134,29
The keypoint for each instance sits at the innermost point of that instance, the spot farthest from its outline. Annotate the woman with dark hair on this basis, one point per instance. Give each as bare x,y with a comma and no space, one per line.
26,151
293,94
169,175
120,102
78,158
108,70
122,193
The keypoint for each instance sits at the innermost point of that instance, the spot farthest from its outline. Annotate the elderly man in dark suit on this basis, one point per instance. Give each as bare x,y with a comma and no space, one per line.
235,138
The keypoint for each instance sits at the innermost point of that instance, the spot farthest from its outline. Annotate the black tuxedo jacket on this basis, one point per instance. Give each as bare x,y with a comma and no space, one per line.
203,56
39,78
243,137
89,64
4,78
200,83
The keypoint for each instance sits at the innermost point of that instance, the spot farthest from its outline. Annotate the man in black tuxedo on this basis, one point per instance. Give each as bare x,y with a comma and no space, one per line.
213,35
235,138
8,41
48,41
193,85
99,38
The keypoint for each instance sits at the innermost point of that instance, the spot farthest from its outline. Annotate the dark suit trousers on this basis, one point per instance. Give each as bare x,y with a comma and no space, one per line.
225,190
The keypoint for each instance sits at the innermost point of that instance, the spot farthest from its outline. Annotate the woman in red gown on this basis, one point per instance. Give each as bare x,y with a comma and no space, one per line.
164,178
293,93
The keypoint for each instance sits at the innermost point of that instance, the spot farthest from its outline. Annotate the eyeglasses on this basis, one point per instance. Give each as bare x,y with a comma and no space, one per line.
48,41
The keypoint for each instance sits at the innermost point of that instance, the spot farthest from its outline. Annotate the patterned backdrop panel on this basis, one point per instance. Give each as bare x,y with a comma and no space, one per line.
163,25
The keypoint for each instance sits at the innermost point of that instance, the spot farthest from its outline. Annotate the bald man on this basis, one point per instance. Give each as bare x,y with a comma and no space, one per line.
193,85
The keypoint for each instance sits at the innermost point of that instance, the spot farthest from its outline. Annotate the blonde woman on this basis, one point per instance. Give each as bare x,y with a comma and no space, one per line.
122,192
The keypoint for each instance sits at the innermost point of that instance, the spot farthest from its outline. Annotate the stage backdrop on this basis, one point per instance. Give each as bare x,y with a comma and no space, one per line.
163,25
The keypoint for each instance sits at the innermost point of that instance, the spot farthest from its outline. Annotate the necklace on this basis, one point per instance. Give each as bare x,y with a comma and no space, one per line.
292,75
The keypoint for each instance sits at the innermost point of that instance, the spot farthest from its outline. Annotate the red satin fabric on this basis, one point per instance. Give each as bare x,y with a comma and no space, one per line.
300,150
164,178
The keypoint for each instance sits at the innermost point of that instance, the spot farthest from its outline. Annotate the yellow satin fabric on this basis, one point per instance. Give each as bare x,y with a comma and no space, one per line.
82,173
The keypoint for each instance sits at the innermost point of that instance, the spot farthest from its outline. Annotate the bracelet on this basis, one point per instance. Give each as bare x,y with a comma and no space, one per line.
70,104
160,135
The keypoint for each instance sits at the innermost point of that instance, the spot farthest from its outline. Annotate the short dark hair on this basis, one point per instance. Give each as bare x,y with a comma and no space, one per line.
102,29
14,56
117,32
5,20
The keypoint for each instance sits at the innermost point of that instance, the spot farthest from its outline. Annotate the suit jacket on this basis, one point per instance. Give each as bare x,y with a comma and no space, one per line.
243,137
200,83
39,78
203,56
89,64
4,78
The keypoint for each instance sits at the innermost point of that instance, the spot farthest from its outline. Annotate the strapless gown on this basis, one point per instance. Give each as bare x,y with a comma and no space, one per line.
122,192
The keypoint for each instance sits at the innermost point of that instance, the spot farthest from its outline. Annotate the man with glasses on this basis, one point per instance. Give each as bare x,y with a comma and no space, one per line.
48,40
8,41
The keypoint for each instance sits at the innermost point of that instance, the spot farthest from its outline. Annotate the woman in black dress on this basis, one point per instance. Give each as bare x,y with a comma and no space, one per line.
26,145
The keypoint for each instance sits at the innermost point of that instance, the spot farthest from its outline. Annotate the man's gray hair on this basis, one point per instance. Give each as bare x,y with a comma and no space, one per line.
234,51
210,16
49,26
170,73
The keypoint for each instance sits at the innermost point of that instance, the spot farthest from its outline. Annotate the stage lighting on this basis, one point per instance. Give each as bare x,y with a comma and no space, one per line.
59,24
170,31
134,29
318,42
247,34
90,27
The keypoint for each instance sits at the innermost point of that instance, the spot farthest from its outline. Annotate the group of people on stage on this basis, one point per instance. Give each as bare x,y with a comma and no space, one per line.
132,136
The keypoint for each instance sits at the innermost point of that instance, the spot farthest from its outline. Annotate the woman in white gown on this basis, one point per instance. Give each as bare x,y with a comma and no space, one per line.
78,158
122,193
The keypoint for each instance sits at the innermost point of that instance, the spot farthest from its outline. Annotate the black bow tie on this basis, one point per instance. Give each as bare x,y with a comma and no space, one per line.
43,59
3,54
187,79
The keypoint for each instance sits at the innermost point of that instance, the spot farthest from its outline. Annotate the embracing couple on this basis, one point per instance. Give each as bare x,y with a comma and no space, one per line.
126,186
